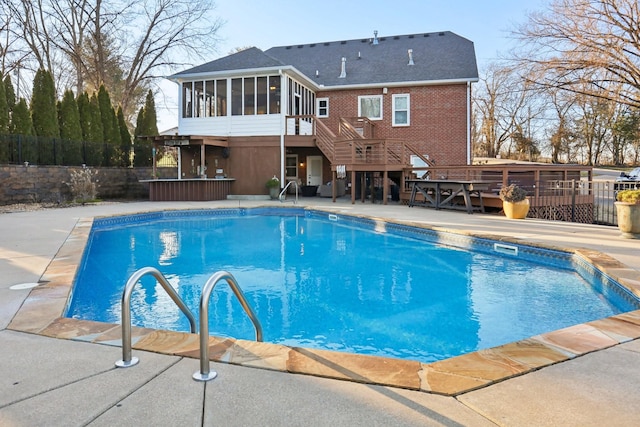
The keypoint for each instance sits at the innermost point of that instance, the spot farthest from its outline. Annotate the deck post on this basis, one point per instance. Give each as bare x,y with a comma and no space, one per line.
334,191
385,187
353,187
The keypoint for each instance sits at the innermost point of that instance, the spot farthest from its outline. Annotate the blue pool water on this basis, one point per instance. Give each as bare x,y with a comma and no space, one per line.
339,283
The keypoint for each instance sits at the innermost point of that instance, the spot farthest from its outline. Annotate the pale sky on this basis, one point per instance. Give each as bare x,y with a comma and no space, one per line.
265,24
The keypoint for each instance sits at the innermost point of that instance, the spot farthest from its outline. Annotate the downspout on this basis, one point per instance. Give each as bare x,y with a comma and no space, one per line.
180,104
283,119
468,123
179,163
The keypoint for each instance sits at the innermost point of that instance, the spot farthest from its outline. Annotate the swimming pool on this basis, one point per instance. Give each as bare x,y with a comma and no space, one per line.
321,292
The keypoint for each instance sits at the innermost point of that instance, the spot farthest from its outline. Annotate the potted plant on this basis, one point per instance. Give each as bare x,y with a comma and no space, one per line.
628,210
273,184
514,201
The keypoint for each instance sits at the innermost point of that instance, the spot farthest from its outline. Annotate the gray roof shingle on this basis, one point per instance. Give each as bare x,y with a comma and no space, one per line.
436,56
245,59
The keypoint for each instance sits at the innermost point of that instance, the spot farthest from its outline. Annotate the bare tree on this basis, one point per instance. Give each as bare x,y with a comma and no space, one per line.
31,17
504,108
625,133
562,136
587,47
171,33
124,44
71,20
593,126
494,128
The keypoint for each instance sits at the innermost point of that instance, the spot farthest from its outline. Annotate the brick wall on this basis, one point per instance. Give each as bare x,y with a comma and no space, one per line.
46,184
438,118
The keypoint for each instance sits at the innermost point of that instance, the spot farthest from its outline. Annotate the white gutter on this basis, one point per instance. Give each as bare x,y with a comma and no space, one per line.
178,78
399,84
226,73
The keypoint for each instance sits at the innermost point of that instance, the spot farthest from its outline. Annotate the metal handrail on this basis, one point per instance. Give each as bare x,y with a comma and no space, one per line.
282,197
205,374
127,360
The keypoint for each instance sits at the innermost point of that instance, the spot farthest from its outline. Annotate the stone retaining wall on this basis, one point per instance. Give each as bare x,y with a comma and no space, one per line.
47,184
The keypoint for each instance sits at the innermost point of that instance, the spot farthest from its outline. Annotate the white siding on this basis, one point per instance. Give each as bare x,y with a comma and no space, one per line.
255,125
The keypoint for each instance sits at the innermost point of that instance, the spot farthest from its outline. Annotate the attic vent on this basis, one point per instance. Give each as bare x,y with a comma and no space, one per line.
300,46
312,45
364,41
343,42
396,37
441,34
426,35
288,47
327,43
411,36
410,52
382,39
343,69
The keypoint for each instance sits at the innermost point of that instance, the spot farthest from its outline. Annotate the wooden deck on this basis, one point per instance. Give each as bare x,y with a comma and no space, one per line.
355,151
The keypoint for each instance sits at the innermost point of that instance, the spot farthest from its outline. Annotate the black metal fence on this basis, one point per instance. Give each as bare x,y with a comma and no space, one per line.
28,149
587,202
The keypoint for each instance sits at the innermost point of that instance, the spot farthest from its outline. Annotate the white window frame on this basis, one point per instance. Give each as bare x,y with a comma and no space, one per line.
373,97
318,108
293,157
394,110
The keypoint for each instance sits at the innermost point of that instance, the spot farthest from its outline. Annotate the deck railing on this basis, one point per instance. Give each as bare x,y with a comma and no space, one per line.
356,128
580,201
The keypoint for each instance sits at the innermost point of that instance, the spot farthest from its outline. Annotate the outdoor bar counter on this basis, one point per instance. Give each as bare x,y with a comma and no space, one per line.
190,189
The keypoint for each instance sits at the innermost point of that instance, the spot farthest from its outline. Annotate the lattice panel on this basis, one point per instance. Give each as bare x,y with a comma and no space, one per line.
583,213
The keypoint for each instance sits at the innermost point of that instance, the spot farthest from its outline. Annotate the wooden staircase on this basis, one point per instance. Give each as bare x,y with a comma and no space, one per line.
356,150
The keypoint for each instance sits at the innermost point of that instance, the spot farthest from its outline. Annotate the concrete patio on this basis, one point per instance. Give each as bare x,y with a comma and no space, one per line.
58,382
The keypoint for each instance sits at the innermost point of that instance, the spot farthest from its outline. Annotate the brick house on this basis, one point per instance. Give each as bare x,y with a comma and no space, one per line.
316,112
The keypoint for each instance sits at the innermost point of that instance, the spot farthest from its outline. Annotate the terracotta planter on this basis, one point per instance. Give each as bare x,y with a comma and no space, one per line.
628,219
516,210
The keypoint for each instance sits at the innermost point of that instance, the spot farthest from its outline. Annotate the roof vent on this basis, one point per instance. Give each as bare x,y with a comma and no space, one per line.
317,73
375,37
359,55
343,69
410,52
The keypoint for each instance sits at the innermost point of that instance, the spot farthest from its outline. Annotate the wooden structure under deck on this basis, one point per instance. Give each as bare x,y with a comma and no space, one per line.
174,190
192,182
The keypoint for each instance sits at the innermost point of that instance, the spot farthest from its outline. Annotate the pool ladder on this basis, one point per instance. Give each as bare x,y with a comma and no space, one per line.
205,373
283,194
